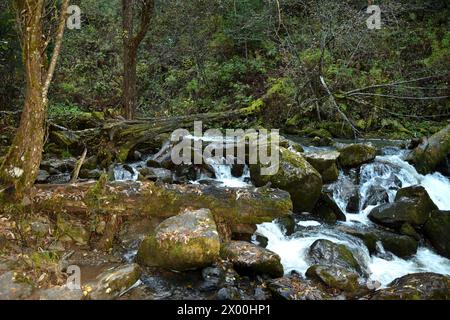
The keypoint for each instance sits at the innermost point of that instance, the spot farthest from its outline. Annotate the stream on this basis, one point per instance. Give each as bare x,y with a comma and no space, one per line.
387,173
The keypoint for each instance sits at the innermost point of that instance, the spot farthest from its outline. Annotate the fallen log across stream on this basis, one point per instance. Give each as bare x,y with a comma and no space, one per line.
235,209
113,140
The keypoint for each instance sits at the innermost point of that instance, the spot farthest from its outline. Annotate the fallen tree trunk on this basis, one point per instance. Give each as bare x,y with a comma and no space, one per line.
431,152
232,208
114,140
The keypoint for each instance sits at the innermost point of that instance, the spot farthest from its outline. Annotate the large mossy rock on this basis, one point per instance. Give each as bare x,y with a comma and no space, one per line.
296,176
437,230
356,154
401,245
417,286
412,205
248,258
431,152
327,253
325,162
184,242
337,277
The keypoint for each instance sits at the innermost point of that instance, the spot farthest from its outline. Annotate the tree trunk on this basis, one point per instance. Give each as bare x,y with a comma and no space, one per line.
21,165
129,60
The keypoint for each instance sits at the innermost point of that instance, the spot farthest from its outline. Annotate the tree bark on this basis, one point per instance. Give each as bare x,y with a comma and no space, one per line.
131,44
21,165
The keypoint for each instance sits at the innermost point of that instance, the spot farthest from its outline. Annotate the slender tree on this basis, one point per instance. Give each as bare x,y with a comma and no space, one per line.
131,42
21,165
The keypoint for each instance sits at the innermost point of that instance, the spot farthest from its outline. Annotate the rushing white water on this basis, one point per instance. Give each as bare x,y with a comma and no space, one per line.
388,173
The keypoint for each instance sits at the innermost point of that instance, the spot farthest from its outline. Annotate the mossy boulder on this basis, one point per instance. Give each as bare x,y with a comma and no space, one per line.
184,242
356,154
437,231
412,205
327,253
416,286
336,277
296,176
431,152
325,162
248,258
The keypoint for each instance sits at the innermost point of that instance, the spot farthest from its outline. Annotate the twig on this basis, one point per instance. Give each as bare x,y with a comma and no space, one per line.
78,166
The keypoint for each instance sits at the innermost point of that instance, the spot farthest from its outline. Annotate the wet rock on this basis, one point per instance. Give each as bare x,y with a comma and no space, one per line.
327,210
260,240
437,231
248,258
417,286
294,171
111,283
408,230
187,241
61,293
229,293
328,253
376,195
356,154
10,289
287,223
42,176
185,173
353,203
336,277
157,174
296,147
402,246
412,205
60,178
94,174
325,162
431,152
294,288
60,165
237,170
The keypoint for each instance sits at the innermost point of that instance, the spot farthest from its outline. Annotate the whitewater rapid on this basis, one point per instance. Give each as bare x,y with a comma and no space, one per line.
391,172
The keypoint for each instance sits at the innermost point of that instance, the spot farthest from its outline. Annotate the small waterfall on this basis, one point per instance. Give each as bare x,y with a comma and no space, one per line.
223,175
388,173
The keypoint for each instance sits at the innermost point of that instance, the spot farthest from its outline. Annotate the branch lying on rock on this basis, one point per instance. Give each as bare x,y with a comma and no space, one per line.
232,207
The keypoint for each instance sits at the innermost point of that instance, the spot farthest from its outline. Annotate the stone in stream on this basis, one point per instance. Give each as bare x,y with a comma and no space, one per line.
11,289
296,176
376,195
325,162
326,252
437,231
412,205
156,174
42,176
402,246
337,277
111,283
416,286
187,241
327,210
248,258
295,288
431,152
356,154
